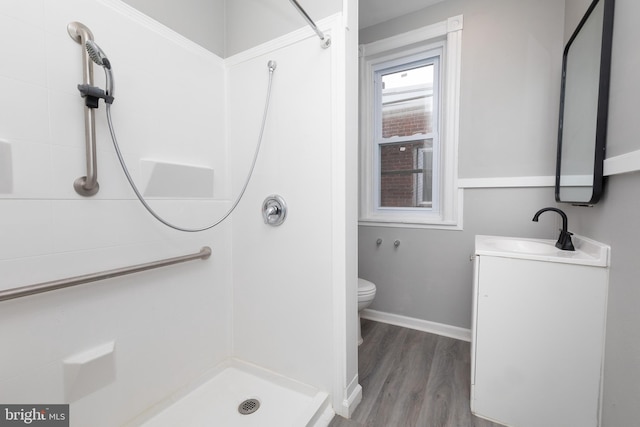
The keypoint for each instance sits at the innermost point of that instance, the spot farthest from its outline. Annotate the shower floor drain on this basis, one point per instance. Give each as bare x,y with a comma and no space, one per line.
249,406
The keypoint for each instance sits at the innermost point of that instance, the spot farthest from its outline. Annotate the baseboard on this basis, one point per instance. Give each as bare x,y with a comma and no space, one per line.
352,401
418,324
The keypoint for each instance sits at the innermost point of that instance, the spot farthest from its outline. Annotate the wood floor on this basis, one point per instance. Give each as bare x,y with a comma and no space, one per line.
412,379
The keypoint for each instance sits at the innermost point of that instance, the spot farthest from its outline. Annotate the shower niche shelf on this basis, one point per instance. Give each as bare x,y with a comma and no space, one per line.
166,179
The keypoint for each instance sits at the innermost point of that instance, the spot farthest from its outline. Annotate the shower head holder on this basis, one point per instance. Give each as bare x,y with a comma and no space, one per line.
93,94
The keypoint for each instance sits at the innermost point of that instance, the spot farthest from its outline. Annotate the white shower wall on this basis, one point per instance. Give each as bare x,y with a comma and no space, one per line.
283,298
294,292
168,326
282,275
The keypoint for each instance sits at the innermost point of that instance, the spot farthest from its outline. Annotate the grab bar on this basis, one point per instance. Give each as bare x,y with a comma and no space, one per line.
86,185
39,288
325,39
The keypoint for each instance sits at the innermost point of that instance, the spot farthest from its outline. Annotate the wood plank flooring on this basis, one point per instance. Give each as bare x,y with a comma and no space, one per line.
412,379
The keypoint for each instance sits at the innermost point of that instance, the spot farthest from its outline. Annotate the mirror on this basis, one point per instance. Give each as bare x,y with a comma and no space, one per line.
584,102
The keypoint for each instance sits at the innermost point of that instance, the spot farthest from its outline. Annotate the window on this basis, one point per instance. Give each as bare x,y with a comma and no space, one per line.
409,110
406,128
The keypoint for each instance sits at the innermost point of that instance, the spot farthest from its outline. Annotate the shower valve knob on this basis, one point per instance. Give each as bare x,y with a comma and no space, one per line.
274,210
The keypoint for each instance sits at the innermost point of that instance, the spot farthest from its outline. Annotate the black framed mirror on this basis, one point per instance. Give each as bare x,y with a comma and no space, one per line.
584,104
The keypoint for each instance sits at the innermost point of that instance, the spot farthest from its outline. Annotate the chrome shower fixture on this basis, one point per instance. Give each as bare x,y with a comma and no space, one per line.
274,210
91,52
86,185
98,56
326,41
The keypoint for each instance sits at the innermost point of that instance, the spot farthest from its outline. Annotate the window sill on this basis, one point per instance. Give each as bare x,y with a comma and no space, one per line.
410,223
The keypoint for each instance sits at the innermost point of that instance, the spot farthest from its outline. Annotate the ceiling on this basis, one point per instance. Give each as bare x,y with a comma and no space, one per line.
376,11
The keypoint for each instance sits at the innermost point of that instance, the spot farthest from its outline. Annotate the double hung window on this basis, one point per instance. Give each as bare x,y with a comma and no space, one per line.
406,132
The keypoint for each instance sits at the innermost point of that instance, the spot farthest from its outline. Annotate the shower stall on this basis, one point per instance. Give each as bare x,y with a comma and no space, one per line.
271,314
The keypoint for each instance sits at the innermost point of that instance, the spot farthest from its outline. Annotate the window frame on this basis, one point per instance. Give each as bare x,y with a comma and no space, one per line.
447,36
427,57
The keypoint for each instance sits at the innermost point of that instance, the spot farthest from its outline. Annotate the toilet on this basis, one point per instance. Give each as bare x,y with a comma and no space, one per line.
366,294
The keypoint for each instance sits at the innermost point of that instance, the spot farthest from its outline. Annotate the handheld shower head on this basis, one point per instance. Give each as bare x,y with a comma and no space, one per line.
96,54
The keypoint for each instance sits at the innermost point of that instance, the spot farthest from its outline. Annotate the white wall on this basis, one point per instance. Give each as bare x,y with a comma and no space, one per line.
229,27
509,94
282,275
169,326
294,293
202,21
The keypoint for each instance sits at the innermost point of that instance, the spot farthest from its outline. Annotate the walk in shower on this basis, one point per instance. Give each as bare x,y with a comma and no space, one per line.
268,316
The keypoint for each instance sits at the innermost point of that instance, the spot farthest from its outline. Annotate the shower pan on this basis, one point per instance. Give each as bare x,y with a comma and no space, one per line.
241,394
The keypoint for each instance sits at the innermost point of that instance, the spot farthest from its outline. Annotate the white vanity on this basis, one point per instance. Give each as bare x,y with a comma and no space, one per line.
538,331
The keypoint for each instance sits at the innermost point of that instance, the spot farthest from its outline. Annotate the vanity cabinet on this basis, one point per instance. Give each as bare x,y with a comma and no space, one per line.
538,336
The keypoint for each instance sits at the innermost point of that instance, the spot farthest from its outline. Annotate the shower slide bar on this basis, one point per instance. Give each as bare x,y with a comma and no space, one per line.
326,41
39,288
86,185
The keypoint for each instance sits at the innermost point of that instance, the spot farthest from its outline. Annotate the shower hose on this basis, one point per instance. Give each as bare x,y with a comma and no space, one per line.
238,198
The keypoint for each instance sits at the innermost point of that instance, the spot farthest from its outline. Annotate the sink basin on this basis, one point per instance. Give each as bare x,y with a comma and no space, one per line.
523,246
588,252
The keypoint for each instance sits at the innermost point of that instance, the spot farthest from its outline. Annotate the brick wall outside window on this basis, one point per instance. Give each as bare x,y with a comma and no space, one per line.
397,188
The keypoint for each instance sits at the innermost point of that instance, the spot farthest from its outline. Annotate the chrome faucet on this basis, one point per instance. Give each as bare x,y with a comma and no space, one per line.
564,240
